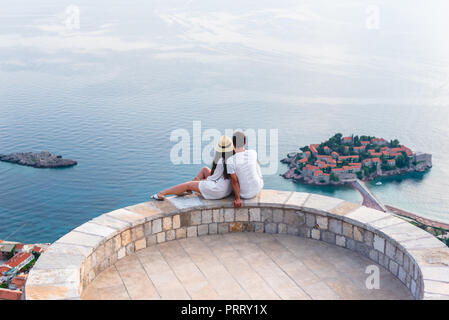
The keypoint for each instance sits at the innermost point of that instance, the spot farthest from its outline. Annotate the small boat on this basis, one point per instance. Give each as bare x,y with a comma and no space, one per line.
378,183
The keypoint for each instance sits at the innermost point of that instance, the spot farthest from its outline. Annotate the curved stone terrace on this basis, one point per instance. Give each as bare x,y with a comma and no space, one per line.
280,245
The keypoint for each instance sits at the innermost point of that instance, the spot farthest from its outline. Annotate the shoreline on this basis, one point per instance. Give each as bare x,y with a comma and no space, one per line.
368,202
420,219
367,199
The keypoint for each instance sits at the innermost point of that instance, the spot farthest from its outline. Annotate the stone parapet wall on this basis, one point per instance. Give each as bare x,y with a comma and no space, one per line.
414,256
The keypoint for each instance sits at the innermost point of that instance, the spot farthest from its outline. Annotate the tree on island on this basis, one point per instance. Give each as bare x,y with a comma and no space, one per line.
327,170
333,142
320,149
366,138
356,141
403,161
10,254
394,143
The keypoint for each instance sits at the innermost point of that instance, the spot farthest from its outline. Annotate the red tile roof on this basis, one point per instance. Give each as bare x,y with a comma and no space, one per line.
323,156
355,164
7,294
4,269
310,167
19,281
348,157
378,140
408,151
37,249
18,259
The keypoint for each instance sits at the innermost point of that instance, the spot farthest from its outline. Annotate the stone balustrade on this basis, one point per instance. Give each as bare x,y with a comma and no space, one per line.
414,256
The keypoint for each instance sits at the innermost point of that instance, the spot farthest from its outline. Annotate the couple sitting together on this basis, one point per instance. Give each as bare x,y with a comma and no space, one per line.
233,169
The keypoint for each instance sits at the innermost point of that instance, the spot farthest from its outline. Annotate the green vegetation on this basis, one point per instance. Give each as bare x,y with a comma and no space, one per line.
387,167
28,266
333,177
4,285
348,154
402,161
394,143
11,253
369,170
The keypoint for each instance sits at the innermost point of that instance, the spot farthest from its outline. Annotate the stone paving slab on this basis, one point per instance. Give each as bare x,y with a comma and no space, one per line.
244,266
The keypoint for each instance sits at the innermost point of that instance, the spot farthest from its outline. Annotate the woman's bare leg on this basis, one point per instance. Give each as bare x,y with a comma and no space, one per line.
180,188
203,174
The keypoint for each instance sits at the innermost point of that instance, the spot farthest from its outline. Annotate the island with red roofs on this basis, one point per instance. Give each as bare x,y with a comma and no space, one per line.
344,159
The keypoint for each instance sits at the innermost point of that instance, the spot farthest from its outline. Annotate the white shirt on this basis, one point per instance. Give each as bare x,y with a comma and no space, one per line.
245,166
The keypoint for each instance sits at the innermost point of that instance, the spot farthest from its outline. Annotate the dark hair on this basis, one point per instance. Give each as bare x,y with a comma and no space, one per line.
239,139
224,156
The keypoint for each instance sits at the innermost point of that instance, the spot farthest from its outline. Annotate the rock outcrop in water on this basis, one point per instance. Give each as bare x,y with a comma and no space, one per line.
42,159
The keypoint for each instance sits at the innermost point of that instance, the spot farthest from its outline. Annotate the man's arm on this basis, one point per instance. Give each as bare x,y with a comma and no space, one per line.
236,188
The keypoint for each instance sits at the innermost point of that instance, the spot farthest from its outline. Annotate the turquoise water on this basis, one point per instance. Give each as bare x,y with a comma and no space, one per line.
110,93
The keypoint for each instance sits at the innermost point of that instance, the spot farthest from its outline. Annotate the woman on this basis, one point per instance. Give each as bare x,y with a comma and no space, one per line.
211,183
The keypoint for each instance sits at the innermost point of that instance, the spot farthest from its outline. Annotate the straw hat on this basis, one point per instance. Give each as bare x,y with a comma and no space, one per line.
224,144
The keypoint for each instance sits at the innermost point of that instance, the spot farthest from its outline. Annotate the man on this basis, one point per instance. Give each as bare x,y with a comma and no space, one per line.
244,169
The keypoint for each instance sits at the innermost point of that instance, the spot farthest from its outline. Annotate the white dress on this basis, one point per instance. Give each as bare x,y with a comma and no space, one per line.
216,186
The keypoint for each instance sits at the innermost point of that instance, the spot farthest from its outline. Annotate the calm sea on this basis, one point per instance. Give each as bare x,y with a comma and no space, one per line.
106,83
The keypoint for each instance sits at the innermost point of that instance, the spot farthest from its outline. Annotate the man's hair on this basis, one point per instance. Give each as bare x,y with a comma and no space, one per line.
239,139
